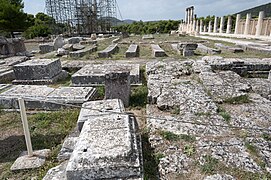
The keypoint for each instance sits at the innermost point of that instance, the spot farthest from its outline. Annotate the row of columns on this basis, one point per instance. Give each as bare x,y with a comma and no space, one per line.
192,25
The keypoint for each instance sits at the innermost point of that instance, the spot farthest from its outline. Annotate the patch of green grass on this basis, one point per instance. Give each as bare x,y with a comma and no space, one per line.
209,165
138,96
203,114
170,136
266,136
47,130
175,110
251,148
100,92
189,150
188,138
243,99
222,112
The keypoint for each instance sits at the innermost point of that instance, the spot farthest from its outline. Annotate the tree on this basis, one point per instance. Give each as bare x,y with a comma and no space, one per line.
12,17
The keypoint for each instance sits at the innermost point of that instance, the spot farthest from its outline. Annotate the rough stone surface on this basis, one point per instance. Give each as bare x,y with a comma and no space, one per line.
92,109
94,74
15,60
74,40
62,52
191,127
107,148
133,51
108,51
25,162
157,51
118,86
11,47
77,47
57,173
4,87
219,177
58,42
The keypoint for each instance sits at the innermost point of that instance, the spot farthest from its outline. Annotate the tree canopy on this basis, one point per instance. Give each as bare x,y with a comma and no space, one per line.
12,17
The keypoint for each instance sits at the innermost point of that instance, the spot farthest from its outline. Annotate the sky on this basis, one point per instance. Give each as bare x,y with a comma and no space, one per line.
149,10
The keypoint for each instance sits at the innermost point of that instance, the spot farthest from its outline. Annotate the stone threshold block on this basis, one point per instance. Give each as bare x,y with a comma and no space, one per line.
93,109
146,37
228,48
157,51
133,51
3,87
107,148
175,48
30,162
83,52
43,97
94,74
207,50
113,48
6,75
38,71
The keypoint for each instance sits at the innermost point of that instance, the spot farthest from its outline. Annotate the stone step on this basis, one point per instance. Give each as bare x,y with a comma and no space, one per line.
83,52
207,50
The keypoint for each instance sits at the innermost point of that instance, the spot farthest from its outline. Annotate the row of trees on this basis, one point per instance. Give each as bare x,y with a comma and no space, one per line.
13,19
141,27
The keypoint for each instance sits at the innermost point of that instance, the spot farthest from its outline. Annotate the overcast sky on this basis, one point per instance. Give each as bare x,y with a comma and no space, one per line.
147,10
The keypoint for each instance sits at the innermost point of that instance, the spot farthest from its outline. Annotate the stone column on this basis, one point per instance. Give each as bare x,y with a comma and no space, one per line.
215,25
204,28
197,26
117,86
238,17
194,25
222,21
192,14
229,25
210,27
269,77
246,32
201,26
260,23
186,15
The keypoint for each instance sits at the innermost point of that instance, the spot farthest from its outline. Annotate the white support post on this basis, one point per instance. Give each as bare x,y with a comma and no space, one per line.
229,24
221,28
25,127
248,19
215,25
238,18
260,24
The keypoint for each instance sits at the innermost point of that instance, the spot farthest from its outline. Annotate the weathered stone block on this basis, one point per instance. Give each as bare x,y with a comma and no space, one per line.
38,69
46,48
204,49
15,60
157,51
118,86
107,148
72,95
83,52
187,46
91,109
58,42
94,74
108,51
269,77
74,40
133,51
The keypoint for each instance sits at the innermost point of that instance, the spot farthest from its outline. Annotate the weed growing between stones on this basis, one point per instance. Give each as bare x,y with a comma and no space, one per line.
189,150
100,92
151,160
243,99
222,112
209,165
174,137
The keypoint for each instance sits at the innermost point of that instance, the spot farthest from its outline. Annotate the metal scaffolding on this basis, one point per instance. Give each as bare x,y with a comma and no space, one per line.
83,16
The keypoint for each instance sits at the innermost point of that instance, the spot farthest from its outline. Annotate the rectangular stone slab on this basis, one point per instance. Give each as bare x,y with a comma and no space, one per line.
94,74
113,48
9,98
107,149
83,52
38,69
133,51
204,49
72,95
94,108
157,51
